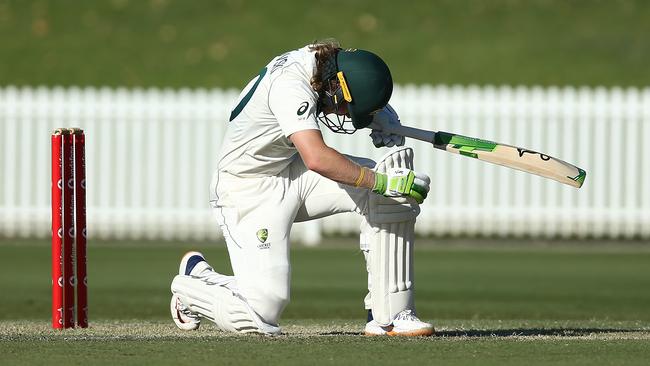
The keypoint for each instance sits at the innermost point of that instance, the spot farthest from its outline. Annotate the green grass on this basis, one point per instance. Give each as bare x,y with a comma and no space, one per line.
320,343
508,306
132,282
203,43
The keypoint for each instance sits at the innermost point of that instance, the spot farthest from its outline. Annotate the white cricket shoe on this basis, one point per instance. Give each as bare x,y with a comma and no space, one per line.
405,324
182,316
192,264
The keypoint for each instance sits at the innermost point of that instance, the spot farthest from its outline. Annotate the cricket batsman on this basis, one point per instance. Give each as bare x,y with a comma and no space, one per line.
274,169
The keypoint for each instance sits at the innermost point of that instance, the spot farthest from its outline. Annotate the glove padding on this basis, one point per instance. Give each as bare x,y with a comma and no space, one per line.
398,182
382,119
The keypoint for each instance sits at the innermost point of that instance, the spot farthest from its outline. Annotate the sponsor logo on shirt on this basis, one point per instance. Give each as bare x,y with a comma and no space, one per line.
303,108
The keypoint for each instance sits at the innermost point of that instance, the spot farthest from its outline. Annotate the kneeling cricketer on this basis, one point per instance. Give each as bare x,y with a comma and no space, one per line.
274,169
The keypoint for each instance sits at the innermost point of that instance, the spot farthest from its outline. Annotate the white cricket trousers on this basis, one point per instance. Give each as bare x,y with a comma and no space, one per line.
246,208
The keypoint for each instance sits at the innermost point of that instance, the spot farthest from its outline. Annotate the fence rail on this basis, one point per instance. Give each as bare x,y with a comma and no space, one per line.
150,154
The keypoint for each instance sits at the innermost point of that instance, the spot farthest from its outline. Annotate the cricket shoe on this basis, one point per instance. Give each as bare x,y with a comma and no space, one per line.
192,264
405,324
182,316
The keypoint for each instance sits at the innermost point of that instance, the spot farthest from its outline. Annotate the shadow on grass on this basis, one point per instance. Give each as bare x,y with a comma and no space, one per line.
516,332
340,333
532,332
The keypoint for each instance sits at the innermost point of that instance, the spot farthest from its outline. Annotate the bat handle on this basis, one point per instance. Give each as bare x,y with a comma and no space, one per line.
406,131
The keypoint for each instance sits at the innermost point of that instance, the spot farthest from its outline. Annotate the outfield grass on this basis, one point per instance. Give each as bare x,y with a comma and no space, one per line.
132,282
203,43
490,306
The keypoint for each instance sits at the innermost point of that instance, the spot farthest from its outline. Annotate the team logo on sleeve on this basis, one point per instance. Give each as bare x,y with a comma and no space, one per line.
303,108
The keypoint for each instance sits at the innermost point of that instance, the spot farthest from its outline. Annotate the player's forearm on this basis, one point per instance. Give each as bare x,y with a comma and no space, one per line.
335,166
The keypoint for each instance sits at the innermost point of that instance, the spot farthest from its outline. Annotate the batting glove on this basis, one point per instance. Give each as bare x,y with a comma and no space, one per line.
400,182
381,121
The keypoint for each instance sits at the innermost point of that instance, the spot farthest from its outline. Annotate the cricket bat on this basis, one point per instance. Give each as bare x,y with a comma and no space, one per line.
510,156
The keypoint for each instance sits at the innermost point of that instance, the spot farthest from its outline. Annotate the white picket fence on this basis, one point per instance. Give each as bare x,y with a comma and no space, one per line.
150,155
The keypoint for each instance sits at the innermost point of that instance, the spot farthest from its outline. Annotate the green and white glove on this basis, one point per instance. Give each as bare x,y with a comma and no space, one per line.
399,182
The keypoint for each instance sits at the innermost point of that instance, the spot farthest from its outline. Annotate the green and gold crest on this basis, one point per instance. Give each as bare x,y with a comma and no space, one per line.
262,235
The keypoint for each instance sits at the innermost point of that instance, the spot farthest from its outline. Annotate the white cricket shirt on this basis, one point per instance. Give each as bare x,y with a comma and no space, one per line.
275,104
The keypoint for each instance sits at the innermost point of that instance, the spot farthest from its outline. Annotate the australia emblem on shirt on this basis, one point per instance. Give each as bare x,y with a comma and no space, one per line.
262,236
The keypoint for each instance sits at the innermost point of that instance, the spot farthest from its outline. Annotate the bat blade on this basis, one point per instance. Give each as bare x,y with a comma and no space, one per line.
506,155
511,156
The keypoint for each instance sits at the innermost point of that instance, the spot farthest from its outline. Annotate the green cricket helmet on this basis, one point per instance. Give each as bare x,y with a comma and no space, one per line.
363,80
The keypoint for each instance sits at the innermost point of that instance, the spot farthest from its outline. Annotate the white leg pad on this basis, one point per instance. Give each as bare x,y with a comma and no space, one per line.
215,297
387,238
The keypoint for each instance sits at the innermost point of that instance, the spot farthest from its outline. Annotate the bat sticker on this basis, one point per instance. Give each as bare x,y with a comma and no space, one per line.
524,151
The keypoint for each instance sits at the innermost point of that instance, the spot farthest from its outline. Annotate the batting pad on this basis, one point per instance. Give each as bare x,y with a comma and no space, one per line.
214,297
387,237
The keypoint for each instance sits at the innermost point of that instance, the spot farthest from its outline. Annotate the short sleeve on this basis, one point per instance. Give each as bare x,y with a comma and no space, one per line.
293,103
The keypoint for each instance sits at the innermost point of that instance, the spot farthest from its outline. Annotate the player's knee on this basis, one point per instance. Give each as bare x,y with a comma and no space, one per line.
269,295
270,305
